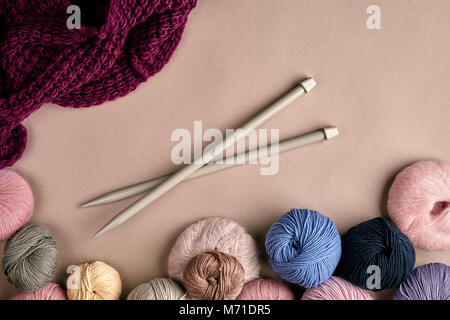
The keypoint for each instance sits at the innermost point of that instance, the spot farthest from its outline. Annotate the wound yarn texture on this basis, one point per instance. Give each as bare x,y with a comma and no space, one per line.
304,247
158,289
376,243
51,291
427,282
30,258
214,276
121,44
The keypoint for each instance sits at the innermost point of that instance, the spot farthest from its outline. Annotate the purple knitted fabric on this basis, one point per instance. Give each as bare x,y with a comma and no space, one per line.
121,43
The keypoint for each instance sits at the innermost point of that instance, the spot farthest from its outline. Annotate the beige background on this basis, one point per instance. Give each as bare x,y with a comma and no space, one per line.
387,90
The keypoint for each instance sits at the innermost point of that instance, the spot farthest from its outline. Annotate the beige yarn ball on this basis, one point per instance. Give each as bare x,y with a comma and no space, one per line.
158,289
214,234
94,281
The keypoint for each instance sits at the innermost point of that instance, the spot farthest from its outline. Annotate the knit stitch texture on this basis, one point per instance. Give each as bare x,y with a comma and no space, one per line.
121,44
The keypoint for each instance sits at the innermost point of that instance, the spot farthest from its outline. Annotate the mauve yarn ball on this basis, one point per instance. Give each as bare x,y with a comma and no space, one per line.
16,203
30,258
419,204
51,291
304,247
265,289
373,244
336,288
94,281
214,234
427,282
213,276
158,289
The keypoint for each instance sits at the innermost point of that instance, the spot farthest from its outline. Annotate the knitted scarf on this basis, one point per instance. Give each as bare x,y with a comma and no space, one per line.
120,44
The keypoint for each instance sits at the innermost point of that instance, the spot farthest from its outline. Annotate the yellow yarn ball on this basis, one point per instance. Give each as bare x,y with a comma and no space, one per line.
94,281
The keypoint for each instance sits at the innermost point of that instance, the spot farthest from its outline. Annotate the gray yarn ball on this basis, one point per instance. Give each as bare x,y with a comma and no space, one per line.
30,258
158,289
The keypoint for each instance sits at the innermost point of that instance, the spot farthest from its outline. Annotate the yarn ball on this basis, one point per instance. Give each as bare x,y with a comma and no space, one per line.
30,258
262,289
214,234
427,282
213,276
158,289
376,243
16,203
51,291
94,281
304,247
419,204
336,288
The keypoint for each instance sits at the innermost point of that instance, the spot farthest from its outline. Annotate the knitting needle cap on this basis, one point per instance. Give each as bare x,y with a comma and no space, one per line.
330,132
308,84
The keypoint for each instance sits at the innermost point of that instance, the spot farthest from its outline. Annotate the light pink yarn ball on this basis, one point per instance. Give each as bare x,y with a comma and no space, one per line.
16,203
419,204
336,288
212,234
261,289
51,291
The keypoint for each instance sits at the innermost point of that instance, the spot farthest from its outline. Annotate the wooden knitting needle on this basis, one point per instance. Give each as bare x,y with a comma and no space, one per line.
212,151
251,155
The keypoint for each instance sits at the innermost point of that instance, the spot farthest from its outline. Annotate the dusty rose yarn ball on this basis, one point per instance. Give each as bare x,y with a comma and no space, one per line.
336,288
51,291
213,276
419,204
220,248
265,289
16,203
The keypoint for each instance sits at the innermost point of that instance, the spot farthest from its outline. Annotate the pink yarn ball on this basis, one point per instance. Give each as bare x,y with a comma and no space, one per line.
419,204
16,203
261,289
336,288
51,291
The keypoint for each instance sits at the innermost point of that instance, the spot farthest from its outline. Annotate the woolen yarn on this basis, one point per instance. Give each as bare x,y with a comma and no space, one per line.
427,282
213,276
51,291
336,288
378,243
214,234
304,247
16,203
265,289
419,204
30,258
94,281
158,289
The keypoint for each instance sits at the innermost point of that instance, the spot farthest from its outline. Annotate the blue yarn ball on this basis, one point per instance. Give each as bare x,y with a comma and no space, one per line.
304,247
378,243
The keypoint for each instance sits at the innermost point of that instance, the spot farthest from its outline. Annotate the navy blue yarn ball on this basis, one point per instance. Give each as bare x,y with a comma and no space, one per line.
378,243
304,247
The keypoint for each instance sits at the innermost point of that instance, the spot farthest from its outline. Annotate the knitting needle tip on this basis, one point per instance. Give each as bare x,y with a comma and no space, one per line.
94,202
104,229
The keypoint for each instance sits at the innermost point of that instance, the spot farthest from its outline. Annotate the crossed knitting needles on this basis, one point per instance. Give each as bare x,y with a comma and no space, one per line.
157,187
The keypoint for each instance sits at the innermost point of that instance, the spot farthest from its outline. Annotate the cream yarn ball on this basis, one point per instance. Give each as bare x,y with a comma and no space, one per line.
94,281
158,289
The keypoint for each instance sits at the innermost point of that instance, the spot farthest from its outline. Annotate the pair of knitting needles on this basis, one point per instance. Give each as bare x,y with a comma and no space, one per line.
157,187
